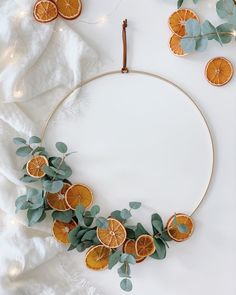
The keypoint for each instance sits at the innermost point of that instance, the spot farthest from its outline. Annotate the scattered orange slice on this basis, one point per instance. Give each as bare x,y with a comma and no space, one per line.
78,194
178,19
61,229
45,11
219,71
172,228
57,201
144,246
129,248
175,46
34,167
97,257
114,235
69,9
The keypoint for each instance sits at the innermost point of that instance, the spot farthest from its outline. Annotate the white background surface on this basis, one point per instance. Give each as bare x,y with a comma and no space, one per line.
206,263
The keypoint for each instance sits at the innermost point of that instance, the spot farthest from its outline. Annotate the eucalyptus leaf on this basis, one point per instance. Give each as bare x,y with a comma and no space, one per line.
117,215
89,235
114,259
182,228
35,198
201,44
64,216
23,151
38,149
21,203
71,247
225,31
19,141
73,236
135,205
34,215
49,171
140,230
28,179
95,210
127,258
160,249
81,247
124,270
53,186
102,222
225,8
88,219
157,223
61,147
34,139
126,285
125,214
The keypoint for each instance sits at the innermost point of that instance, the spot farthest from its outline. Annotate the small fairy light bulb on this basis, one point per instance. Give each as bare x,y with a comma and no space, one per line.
14,270
12,55
234,33
60,30
22,14
103,19
18,93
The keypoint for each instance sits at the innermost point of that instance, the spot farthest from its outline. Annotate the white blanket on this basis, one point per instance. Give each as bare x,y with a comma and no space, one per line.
39,64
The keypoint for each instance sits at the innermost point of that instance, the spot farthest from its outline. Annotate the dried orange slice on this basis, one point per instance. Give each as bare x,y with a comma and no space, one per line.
172,228
114,235
219,71
97,257
69,9
57,201
129,248
175,46
61,229
78,194
45,11
144,246
178,19
34,167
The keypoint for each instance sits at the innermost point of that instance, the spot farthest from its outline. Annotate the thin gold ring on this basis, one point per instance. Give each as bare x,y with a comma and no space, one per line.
83,83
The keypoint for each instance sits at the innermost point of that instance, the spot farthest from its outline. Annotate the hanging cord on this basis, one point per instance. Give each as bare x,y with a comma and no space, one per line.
124,68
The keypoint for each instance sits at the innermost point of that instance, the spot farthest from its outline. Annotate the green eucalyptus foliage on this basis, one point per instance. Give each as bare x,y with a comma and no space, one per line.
57,173
180,2
198,35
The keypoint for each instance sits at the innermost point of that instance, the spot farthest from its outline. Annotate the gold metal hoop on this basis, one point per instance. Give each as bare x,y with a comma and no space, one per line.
153,76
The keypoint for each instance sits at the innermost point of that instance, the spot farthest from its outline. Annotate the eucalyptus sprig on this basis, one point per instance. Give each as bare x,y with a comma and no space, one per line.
84,227
180,2
57,173
198,35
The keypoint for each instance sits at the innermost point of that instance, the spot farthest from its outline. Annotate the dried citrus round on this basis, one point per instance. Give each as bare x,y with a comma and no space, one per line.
34,167
172,227
129,248
61,229
69,9
78,194
175,46
178,19
144,246
97,257
219,71
57,201
45,11
114,235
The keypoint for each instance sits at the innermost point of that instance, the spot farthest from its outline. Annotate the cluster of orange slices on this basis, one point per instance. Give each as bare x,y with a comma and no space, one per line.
112,237
177,22
219,70
47,10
